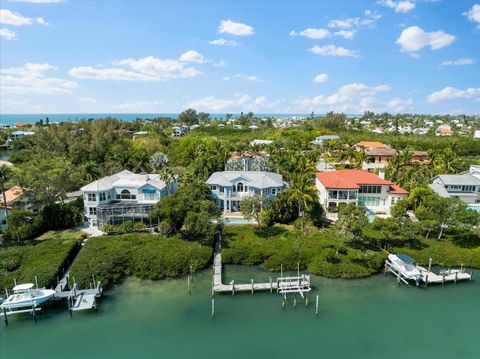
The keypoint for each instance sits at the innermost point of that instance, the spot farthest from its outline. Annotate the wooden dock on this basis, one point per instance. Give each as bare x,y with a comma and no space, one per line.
427,276
283,285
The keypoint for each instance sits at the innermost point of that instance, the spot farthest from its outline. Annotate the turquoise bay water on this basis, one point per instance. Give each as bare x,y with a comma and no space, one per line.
368,318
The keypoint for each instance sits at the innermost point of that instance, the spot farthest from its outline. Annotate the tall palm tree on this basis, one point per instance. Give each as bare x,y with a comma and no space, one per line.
5,173
303,193
167,175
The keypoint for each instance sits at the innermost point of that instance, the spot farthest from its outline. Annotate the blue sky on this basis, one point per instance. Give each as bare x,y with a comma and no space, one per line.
267,57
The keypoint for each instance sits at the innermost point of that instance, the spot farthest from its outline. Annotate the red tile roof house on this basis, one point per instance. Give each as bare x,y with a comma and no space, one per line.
359,187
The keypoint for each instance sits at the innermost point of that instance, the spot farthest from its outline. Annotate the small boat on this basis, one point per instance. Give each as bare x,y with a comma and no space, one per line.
404,264
26,295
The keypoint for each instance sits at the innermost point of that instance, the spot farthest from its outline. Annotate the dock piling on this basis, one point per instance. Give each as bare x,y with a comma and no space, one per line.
251,281
456,277
188,283
213,307
316,306
429,264
271,285
306,300
5,316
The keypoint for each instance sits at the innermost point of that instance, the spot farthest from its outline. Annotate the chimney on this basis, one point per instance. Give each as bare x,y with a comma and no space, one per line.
381,174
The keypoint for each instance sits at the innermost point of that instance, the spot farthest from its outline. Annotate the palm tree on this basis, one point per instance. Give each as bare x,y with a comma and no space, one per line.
303,193
167,175
5,173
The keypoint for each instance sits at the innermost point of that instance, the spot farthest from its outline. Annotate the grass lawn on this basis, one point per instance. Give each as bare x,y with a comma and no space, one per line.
42,258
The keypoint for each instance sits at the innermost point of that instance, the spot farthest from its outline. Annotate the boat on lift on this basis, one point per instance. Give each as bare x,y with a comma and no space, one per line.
405,266
26,295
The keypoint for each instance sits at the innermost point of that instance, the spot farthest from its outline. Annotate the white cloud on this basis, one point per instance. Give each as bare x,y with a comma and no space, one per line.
245,77
321,78
8,17
316,34
220,63
192,56
144,69
332,50
346,34
355,22
38,1
239,102
139,106
32,78
87,99
350,98
235,28
452,93
399,6
414,38
474,14
223,42
7,34
462,61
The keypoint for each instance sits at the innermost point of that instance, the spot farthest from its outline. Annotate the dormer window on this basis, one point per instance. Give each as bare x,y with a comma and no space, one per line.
239,187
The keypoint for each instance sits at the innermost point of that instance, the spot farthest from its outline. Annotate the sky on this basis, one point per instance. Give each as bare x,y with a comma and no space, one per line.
111,56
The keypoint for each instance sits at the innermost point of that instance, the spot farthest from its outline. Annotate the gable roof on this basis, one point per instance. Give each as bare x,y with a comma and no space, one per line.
371,144
12,195
125,178
352,179
257,179
461,179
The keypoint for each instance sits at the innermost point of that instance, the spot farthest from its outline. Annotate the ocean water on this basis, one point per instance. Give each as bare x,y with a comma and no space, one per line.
71,117
367,318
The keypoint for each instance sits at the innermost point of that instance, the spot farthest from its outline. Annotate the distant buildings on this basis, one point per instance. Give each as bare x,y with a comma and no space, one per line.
229,188
260,143
17,135
140,134
476,134
444,130
321,140
358,187
465,186
179,131
248,161
123,196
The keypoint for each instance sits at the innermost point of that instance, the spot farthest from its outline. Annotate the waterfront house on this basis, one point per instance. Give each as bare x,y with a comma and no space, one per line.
12,195
444,130
359,187
465,186
17,135
123,196
229,188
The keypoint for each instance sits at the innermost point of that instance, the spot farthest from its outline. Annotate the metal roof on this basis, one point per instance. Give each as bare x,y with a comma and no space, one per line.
250,178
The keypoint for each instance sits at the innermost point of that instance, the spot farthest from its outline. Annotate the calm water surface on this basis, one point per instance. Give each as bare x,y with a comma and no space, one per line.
370,318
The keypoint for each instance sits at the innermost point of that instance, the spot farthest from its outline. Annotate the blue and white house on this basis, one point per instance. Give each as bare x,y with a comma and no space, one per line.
229,188
124,196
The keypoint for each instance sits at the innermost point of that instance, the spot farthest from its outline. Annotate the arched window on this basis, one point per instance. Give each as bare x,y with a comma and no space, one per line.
239,187
125,194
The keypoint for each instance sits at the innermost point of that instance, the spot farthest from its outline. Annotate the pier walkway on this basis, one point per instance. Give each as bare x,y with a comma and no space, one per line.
282,285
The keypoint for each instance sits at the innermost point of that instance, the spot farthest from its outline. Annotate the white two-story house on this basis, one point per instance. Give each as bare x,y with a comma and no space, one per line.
123,196
229,188
465,186
359,187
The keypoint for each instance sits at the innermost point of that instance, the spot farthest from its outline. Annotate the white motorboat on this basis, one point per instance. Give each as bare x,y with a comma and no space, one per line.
26,295
404,264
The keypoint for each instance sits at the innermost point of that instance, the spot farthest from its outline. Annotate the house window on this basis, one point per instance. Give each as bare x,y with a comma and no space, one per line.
274,191
149,196
369,201
102,196
332,194
214,188
239,187
92,211
222,189
370,189
125,194
92,197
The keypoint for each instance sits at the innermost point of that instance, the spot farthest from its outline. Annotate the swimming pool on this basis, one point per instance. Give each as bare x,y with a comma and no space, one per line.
233,221
475,207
